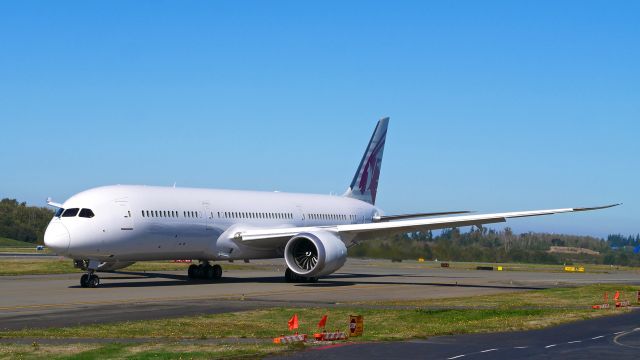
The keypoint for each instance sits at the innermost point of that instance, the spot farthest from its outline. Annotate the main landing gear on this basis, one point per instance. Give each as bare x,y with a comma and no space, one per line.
292,277
205,271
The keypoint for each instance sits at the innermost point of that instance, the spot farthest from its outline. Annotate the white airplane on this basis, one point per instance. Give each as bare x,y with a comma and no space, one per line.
111,227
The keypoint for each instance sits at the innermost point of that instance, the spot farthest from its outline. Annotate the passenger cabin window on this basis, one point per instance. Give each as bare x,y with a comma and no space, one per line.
86,213
59,212
70,212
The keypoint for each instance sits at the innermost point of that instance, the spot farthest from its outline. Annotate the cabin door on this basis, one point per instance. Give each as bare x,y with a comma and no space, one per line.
124,214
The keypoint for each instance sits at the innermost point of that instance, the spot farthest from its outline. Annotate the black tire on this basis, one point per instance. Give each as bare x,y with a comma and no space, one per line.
208,273
311,279
198,272
94,281
292,277
84,280
191,272
217,271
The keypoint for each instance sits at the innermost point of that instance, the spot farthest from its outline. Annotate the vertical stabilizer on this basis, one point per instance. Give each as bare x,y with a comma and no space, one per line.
364,185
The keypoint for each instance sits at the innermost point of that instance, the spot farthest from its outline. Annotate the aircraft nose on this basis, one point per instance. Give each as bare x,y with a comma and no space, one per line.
57,238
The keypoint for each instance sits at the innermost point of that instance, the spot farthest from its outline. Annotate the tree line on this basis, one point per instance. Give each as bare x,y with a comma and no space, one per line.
21,222
488,245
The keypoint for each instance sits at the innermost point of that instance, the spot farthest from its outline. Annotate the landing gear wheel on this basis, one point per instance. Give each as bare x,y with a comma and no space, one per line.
84,280
208,273
192,272
290,276
89,281
217,271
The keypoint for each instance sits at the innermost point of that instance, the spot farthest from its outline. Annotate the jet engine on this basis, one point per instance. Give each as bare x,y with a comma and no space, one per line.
314,254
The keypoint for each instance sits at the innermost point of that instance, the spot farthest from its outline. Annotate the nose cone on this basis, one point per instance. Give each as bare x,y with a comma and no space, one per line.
57,238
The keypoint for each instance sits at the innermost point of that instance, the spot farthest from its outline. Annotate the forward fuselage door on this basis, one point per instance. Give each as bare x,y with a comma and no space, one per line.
124,214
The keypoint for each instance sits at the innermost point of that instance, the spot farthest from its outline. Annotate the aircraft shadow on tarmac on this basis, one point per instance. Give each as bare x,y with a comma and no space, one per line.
114,280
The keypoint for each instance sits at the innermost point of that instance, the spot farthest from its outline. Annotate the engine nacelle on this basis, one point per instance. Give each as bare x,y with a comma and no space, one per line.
314,254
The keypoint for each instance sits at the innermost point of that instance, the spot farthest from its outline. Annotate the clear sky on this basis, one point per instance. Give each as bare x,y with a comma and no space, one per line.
494,105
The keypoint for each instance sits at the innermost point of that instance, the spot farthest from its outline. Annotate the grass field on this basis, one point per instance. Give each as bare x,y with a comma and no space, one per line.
10,243
415,319
593,268
170,350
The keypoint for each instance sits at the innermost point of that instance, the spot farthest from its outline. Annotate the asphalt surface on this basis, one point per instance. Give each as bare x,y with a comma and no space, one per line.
613,337
58,300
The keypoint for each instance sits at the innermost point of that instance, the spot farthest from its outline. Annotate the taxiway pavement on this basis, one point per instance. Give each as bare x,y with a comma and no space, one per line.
58,300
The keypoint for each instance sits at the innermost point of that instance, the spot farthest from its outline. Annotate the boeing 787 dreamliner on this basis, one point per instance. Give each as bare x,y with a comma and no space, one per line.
111,227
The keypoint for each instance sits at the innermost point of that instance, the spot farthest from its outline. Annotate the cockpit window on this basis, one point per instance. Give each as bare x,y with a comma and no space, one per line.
86,213
70,212
59,212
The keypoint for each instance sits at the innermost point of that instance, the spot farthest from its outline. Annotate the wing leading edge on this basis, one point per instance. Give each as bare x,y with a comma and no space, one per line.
359,232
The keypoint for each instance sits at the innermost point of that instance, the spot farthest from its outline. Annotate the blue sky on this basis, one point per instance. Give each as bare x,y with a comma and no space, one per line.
494,106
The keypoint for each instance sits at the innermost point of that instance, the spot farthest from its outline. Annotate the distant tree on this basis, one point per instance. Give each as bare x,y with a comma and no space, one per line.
21,222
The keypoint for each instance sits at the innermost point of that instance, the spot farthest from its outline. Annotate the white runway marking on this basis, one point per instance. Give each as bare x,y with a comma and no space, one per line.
520,347
618,333
573,342
550,346
455,357
485,351
597,337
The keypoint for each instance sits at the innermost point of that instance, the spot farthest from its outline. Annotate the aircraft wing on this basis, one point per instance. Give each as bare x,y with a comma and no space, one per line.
358,232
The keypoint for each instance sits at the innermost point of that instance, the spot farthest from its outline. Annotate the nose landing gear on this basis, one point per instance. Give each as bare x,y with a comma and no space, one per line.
89,280
205,271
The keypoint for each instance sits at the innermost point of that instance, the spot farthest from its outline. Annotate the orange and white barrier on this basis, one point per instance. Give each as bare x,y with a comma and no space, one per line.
623,303
290,339
333,336
330,336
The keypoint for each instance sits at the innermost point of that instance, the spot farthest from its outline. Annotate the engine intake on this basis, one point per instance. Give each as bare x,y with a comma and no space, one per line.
315,254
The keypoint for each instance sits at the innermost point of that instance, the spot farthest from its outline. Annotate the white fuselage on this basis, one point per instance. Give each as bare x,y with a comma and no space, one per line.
135,223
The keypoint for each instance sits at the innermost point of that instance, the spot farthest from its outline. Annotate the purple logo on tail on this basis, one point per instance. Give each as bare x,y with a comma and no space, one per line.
364,185
371,172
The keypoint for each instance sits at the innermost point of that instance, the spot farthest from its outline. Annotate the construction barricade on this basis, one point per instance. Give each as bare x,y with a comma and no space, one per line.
330,336
289,339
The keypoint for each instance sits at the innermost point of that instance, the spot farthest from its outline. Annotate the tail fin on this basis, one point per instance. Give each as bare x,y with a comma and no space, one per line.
364,185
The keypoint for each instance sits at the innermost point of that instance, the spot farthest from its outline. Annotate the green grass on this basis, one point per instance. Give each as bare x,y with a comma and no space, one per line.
564,297
36,266
145,350
4,242
471,266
